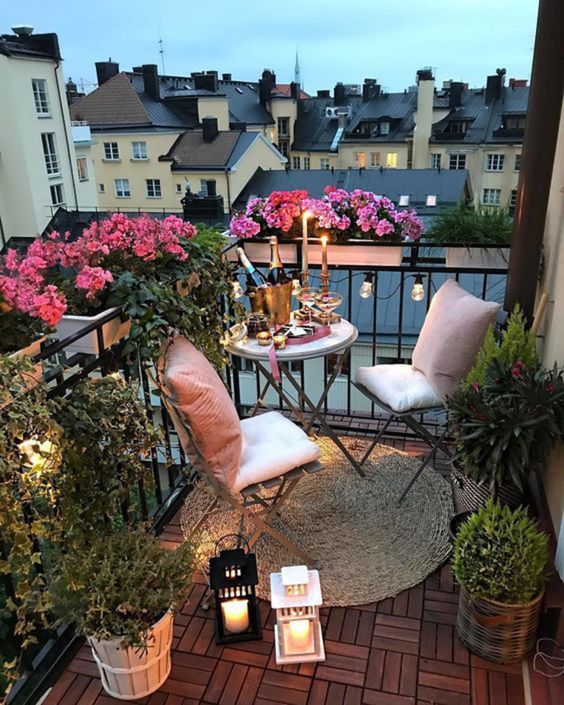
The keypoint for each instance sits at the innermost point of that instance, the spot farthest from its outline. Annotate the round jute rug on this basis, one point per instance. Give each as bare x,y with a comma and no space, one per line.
366,546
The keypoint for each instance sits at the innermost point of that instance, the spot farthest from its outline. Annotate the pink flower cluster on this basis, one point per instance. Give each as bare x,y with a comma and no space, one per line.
351,213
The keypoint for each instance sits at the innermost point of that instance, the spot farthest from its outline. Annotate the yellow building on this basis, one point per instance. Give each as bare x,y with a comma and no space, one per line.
40,168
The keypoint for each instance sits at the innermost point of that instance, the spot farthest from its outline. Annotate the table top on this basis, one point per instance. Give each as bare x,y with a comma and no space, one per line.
342,336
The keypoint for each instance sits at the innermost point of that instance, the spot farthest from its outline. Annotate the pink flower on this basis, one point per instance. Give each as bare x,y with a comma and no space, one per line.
49,306
93,280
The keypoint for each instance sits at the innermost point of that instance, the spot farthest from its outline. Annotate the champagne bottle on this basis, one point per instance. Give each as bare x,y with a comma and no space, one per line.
276,273
254,277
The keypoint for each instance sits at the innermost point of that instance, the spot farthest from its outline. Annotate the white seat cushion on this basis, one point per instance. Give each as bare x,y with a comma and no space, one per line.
272,446
401,387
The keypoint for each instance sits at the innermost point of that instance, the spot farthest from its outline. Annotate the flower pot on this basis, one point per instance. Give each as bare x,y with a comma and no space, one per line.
113,330
31,350
469,495
455,524
132,673
497,631
476,258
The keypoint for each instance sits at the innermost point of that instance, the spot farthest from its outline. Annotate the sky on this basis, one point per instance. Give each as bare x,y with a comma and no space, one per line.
343,41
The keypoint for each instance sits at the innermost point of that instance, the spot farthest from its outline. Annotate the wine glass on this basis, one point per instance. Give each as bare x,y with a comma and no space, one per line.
307,298
327,302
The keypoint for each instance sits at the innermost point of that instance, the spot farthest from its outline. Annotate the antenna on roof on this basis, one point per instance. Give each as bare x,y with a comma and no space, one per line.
161,52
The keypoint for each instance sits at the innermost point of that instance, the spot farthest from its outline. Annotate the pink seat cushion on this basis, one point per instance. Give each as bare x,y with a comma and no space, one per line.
201,398
453,332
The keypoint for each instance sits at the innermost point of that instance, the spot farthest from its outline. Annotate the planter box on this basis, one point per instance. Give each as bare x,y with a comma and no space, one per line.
113,331
32,349
476,258
337,254
129,674
469,495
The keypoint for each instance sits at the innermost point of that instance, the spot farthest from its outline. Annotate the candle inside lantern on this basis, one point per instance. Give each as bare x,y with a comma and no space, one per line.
235,615
324,265
300,635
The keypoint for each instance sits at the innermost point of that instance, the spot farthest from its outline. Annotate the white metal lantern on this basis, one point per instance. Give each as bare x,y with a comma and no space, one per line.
296,597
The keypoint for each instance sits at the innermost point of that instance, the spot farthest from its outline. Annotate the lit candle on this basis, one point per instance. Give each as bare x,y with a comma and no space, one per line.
300,635
324,267
305,262
236,615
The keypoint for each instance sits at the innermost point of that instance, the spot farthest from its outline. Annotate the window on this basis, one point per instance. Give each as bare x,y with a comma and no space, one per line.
514,123
457,161
384,128
404,200
374,158
296,163
41,97
495,162
513,201
436,161
154,188
122,188
111,151
50,153
203,187
101,188
178,188
57,194
517,166
138,150
431,200
360,159
284,147
307,163
457,127
82,168
491,197
392,160
324,163
283,127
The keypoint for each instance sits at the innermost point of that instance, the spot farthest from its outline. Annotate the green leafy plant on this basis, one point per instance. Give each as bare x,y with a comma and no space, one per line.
120,585
18,330
466,225
500,554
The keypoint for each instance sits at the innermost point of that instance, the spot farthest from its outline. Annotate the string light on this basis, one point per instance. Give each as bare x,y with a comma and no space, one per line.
367,289
418,290
236,289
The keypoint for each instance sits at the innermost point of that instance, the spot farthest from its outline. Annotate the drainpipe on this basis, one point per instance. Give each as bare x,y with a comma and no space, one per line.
57,64
228,192
537,160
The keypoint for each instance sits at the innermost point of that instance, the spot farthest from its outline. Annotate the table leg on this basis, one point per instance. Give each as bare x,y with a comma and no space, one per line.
337,369
277,386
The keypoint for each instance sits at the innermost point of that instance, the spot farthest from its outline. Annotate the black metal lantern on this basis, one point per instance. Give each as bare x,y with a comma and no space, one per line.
233,577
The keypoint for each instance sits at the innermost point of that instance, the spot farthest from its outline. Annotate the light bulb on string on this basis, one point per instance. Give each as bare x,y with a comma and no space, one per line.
236,289
366,290
418,290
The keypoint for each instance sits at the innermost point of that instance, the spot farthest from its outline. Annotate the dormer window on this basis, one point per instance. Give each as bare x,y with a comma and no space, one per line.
385,128
457,127
513,122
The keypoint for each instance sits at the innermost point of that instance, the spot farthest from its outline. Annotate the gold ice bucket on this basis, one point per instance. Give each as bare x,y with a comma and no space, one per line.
273,301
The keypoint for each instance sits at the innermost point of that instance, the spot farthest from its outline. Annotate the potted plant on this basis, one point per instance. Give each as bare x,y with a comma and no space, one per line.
358,219
500,561
121,591
471,228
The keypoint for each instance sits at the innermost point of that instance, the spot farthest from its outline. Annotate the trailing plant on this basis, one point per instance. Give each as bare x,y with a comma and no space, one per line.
120,585
471,226
515,343
500,554
507,423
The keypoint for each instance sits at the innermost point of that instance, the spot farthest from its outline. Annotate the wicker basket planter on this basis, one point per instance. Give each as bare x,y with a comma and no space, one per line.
497,631
469,495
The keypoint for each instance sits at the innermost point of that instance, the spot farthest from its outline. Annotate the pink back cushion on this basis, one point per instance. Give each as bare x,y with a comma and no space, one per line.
453,332
202,400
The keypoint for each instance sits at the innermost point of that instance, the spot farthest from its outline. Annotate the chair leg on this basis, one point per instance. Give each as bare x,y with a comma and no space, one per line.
430,456
376,440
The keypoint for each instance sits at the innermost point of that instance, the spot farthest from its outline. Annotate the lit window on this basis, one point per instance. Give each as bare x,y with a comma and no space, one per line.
392,160
111,151
57,194
374,158
360,159
178,188
404,200
495,162
101,188
82,168
457,161
491,197
50,153
296,163
431,200
41,97
138,150
324,163
517,162
384,128
153,188
122,188
307,163
435,161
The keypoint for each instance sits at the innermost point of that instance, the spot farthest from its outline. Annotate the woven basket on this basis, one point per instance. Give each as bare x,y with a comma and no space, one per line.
469,495
496,631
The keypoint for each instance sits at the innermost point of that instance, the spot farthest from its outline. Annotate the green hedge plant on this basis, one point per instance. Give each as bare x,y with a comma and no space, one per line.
500,554
466,225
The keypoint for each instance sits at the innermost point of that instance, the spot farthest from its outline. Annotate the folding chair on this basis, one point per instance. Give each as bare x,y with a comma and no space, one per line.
270,493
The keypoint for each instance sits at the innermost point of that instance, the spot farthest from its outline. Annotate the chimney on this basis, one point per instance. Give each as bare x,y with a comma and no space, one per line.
494,85
211,187
151,81
423,118
455,94
294,90
324,93
425,75
370,90
266,84
339,94
205,81
106,70
137,69
226,77
518,82
209,127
